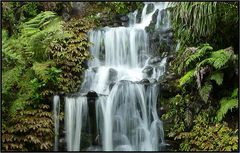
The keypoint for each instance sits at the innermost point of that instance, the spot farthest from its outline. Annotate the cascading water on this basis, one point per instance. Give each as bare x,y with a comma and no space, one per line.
126,115
56,114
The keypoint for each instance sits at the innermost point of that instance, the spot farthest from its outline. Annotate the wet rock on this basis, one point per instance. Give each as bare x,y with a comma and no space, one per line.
79,8
150,8
148,70
112,74
153,80
154,60
171,76
61,144
115,24
124,18
168,89
92,93
144,81
170,58
111,85
166,31
95,69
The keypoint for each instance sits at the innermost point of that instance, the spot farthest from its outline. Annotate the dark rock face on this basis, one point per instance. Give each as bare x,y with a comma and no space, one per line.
145,81
154,60
92,94
150,8
168,89
124,18
111,85
148,70
95,69
112,74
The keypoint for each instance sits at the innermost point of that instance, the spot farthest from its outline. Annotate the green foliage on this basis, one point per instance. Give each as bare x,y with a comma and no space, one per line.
187,78
32,130
46,71
201,63
199,22
122,7
15,13
217,77
201,52
205,91
29,79
40,31
192,111
205,137
70,54
226,104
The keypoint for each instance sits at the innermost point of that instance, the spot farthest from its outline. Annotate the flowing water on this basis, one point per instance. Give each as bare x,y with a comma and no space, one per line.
56,113
126,115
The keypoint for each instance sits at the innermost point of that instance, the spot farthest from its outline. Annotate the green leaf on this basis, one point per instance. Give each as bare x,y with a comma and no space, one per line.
218,77
226,105
234,93
205,91
187,78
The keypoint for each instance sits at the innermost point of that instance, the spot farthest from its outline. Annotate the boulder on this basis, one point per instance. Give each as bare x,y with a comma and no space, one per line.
144,81
111,85
154,60
112,74
148,70
124,18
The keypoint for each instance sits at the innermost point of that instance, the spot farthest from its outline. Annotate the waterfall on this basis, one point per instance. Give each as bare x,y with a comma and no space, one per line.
56,113
75,113
126,115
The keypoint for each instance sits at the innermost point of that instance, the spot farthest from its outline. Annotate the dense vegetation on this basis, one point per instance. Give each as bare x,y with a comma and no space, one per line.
205,77
45,49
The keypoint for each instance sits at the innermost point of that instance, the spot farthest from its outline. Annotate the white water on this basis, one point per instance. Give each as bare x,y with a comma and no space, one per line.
126,116
56,113
75,114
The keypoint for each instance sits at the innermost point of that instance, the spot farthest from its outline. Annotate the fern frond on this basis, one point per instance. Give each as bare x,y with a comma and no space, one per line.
217,59
235,93
205,91
41,70
187,78
221,57
201,52
226,105
9,78
217,77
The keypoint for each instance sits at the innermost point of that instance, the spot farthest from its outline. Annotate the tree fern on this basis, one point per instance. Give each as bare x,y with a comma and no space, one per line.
217,77
187,78
226,105
201,52
235,93
221,58
38,33
217,59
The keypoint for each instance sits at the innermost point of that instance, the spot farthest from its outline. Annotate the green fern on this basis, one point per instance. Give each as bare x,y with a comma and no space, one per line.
205,91
38,33
226,105
10,78
187,78
221,57
235,93
217,77
41,70
201,52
